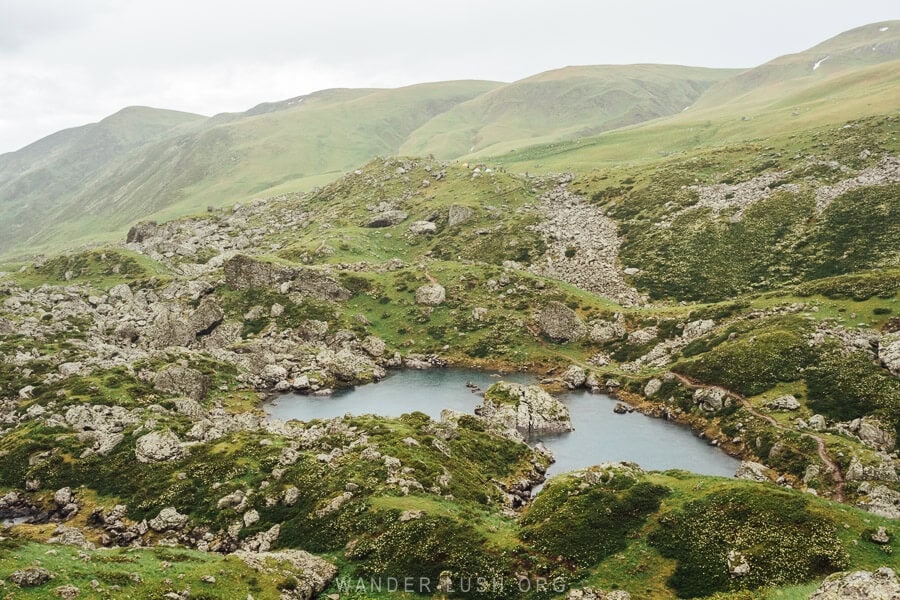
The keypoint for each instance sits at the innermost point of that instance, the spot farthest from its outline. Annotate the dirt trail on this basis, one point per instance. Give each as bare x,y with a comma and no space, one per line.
836,474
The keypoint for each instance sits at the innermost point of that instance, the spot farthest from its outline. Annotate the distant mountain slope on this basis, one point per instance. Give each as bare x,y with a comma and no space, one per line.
35,180
90,183
858,48
862,78
562,104
47,195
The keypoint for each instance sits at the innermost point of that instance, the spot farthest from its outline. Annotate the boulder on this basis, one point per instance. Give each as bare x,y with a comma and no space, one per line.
859,585
140,232
387,218
67,592
348,366
711,399
879,500
870,432
889,352
525,408
168,519
374,346
560,323
574,377
816,422
431,294
184,381
652,387
642,336
70,536
737,564
784,403
753,471
459,214
422,227
696,329
158,446
606,331
206,317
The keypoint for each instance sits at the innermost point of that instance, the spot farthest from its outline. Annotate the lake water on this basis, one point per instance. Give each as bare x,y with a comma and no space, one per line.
600,435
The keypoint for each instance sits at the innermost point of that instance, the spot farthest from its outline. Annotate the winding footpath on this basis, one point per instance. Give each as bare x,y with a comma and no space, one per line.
836,474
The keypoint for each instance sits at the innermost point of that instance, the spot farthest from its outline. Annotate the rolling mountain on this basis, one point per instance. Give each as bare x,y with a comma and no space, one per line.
559,105
90,183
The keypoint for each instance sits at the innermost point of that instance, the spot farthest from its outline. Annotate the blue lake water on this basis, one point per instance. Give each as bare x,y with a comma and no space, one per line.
600,435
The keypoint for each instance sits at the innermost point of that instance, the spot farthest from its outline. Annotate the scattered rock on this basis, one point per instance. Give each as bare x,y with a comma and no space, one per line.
31,577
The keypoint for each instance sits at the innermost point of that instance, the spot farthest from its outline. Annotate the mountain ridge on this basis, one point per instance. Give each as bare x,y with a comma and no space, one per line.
89,183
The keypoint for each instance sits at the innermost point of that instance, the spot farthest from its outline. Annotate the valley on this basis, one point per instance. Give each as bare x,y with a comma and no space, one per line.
230,380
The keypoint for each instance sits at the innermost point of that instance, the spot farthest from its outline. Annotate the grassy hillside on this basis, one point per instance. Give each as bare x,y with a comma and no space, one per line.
861,47
559,105
91,183
292,145
40,178
780,98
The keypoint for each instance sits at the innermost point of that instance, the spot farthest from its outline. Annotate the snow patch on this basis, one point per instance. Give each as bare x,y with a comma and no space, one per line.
883,29
819,63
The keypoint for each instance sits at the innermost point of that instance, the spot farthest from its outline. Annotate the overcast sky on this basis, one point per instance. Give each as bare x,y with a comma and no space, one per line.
69,62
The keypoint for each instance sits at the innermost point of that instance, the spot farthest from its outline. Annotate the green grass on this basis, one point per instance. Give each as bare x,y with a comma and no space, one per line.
137,573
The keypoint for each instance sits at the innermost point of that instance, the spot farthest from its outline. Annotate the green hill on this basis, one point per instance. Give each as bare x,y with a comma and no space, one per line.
90,183
562,104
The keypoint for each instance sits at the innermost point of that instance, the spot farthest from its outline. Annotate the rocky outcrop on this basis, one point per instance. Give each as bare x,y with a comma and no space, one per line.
432,294
882,470
886,171
142,231
459,214
753,471
560,323
859,585
737,197
607,331
870,432
168,519
243,272
422,227
879,499
310,573
527,409
387,219
571,222
158,446
889,352
31,577
184,381
711,400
